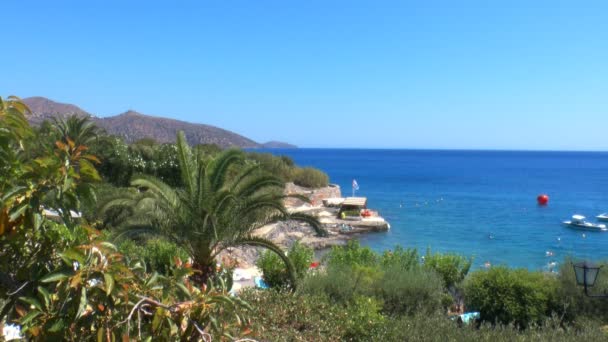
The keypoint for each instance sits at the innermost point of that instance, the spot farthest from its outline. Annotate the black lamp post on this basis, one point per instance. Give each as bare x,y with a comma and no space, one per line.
586,274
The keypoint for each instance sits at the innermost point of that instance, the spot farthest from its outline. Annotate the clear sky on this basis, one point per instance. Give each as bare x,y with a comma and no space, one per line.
425,74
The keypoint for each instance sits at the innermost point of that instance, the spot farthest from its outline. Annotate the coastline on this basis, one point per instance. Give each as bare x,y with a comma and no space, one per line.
287,233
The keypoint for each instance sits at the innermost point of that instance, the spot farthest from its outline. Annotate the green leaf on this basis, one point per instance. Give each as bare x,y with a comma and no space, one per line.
152,279
53,277
100,334
57,326
157,321
109,280
45,296
32,301
29,317
71,255
184,289
83,303
88,170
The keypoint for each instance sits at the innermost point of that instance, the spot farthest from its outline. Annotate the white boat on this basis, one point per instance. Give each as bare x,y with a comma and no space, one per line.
578,222
602,217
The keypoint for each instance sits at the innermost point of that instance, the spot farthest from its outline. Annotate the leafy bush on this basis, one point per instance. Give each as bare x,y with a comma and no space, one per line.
352,254
309,177
278,166
363,318
451,267
436,327
399,257
504,295
95,295
407,291
395,279
273,268
158,254
284,316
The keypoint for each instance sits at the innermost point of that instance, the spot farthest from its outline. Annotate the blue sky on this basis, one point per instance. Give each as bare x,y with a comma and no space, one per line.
425,74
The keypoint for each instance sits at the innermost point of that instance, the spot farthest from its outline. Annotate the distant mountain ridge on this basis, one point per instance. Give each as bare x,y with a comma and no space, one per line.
133,126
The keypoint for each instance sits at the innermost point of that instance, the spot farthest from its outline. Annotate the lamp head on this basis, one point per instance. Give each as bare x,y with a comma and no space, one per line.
586,273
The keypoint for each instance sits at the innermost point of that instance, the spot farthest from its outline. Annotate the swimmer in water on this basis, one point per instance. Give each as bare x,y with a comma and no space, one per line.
491,237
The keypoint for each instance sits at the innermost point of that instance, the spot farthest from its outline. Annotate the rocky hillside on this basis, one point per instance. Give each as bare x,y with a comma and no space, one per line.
133,126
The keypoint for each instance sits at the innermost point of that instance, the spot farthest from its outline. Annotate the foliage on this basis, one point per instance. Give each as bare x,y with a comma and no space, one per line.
61,280
309,177
452,268
284,168
213,211
158,254
352,254
283,316
518,296
394,278
400,258
407,291
121,161
273,268
94,295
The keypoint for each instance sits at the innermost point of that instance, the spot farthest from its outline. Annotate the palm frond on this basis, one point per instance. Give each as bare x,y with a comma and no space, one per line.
220,165
184,156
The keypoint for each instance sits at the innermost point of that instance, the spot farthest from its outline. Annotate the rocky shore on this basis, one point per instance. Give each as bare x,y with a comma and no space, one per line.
286,233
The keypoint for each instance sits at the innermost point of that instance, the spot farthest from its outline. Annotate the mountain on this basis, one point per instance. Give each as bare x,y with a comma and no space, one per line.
44,109
277,144
133,126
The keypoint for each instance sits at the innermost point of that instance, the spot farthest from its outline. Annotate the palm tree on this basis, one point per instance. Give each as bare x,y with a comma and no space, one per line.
218,206
79,129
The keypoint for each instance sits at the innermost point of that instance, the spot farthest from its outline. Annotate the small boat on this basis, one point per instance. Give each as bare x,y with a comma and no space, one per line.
602,217
578,222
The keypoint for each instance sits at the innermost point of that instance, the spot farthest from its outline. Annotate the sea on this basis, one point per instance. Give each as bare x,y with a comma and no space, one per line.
480,204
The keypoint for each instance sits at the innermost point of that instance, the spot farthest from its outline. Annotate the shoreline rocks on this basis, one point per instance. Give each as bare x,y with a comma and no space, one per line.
285,233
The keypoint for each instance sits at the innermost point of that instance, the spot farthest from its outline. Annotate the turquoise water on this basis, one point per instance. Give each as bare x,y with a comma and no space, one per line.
476,203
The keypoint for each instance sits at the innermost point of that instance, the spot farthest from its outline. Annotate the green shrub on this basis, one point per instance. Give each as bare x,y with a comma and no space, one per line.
363,319
504,295
309,177
451,267
284,316
407,291
278,166
436,327
159,255
399,257
273,268
341,283
352,254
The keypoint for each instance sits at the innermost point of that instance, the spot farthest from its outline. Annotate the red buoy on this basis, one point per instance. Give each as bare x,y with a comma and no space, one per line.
542,199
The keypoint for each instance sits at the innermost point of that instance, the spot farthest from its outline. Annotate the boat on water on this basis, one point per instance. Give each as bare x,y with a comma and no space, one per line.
602,217
578,222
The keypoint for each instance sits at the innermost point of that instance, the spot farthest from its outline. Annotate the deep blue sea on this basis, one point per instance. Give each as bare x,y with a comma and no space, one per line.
476,203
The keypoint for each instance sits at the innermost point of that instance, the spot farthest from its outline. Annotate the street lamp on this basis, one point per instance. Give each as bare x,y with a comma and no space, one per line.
586,274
